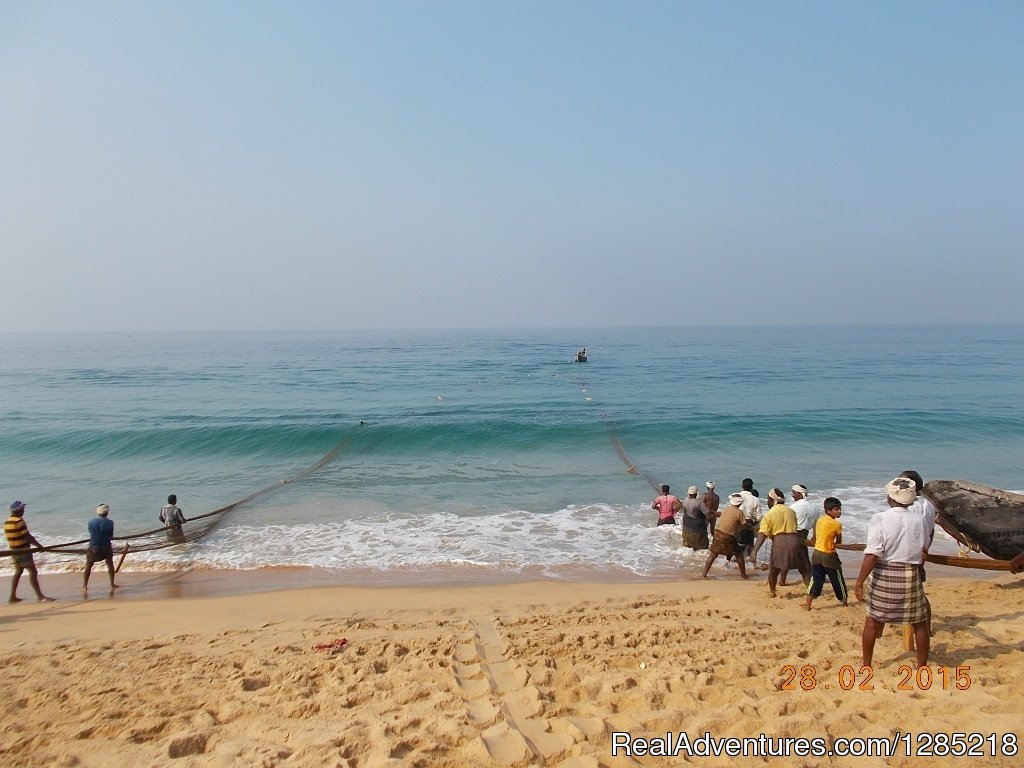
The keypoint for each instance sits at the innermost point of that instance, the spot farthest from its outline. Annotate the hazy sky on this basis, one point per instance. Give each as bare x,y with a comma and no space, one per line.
214,165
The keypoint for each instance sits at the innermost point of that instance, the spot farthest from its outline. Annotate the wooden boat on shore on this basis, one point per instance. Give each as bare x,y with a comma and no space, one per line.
981,518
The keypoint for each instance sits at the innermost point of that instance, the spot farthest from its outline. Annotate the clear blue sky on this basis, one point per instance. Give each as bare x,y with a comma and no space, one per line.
213,165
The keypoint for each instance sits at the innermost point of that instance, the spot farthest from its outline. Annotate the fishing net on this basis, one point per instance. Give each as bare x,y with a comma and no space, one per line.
195,528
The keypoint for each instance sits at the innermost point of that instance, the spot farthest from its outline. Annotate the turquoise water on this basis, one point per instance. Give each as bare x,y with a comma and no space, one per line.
489,454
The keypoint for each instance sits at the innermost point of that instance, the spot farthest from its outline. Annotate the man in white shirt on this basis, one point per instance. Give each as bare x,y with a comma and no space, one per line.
926,508
805,513
923,505
751,508
890,575
806,516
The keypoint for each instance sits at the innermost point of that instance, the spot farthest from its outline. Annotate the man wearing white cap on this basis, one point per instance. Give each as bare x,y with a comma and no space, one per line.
890,576
710,502
101,547
788,550
726,539
695,525
806,516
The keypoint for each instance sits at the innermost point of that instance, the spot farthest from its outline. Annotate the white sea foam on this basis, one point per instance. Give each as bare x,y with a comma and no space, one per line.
579,542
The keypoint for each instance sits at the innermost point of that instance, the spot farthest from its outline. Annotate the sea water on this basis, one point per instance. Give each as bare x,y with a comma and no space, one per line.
488,455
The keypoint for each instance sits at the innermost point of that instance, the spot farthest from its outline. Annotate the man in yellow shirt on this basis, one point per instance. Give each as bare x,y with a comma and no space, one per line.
788,549
824,560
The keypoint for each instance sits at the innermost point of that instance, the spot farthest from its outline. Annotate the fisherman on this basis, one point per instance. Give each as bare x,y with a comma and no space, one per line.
172,516
101,534
788,549
20,541
751,511
924,507
828,532
695,524
890,578
710,502
667,506
726,539
805,519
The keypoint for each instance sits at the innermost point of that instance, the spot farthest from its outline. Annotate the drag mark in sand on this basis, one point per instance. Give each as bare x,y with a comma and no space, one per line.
501,699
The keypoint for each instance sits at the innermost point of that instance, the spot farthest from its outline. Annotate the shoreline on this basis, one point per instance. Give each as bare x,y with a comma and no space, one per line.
189,582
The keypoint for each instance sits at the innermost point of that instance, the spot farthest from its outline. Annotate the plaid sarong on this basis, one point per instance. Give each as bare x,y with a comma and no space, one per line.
695,539
724,544
895,594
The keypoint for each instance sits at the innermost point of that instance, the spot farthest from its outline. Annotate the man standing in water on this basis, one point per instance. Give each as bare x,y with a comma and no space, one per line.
667,506
101,547
19,540
695,525
890,575
709,503
172,516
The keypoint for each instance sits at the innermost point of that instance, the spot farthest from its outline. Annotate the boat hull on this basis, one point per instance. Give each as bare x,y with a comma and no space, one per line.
985,519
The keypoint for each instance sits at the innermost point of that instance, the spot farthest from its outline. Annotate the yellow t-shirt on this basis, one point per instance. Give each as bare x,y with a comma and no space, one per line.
825,533
779,519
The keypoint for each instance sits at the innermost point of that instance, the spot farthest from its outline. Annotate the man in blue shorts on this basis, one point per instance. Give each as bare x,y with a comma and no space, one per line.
101,547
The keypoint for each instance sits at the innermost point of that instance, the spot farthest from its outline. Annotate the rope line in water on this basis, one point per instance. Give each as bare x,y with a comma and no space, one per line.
620,450
197,527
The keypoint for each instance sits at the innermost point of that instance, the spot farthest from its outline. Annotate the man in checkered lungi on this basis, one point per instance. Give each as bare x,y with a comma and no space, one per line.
890,576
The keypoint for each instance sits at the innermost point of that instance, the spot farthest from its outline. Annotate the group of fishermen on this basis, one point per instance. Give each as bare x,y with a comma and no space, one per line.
891,577
20,542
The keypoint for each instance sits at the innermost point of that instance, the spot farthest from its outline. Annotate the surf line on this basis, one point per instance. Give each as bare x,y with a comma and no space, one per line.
613,438
199,526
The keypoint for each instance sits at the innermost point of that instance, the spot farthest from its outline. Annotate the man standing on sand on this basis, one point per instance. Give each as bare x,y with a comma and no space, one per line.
101,547
788,550
695,525
725,541
805,519
805,513
924,507
19,540
890,576
667,506
172,516
710,502
828,532
751,511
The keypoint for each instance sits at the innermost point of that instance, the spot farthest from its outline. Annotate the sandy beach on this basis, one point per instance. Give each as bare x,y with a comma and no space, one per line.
229,669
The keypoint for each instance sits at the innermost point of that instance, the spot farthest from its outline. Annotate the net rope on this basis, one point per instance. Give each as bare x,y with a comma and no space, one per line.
194,528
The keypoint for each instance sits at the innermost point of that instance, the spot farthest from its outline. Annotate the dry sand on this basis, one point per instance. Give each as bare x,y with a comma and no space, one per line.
527,674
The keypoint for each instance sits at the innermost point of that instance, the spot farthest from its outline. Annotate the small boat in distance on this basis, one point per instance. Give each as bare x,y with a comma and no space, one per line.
581,356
